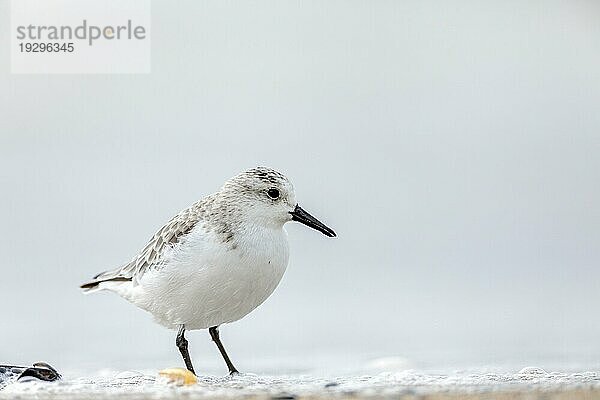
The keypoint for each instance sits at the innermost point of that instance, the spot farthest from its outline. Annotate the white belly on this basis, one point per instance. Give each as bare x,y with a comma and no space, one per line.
207,283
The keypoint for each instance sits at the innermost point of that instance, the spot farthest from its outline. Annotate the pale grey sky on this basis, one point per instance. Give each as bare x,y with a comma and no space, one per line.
453,146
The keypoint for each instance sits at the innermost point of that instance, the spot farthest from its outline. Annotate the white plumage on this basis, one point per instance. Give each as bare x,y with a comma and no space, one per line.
204,282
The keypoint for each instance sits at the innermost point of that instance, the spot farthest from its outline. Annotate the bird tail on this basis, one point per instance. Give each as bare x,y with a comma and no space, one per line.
95,285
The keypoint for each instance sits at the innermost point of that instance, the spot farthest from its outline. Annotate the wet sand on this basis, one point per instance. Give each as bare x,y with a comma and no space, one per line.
529,383
566,394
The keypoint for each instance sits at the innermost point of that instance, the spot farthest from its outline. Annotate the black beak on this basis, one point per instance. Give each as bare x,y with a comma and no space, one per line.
305,218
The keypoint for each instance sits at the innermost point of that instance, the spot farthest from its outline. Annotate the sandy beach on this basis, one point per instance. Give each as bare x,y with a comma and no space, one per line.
532,383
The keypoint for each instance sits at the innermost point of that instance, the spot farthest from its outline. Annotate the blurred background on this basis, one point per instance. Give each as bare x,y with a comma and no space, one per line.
453,146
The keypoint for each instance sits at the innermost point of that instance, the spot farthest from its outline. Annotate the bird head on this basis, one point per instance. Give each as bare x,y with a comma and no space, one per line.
267,197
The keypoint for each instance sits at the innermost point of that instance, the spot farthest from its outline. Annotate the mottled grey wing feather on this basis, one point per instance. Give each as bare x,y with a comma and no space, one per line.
151,255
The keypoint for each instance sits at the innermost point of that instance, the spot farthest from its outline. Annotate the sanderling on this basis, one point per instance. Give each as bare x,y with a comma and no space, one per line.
215,261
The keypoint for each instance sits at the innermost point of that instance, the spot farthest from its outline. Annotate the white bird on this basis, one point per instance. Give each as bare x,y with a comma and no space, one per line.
216,261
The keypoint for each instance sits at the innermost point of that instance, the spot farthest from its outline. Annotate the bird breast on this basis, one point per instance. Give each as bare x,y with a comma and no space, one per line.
208,281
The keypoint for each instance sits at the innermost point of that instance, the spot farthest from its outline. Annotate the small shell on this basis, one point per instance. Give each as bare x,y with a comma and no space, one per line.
178,376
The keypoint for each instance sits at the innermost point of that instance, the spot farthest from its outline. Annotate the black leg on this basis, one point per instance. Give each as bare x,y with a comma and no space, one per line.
214,334
182,344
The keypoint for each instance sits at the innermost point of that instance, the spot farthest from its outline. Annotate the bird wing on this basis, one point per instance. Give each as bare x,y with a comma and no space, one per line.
152,254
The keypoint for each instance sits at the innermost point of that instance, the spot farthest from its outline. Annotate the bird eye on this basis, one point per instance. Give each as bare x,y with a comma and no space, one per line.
273,193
